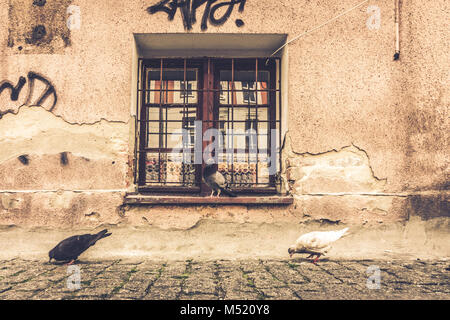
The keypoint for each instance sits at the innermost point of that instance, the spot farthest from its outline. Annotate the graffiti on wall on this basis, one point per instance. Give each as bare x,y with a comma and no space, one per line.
188,9
37,95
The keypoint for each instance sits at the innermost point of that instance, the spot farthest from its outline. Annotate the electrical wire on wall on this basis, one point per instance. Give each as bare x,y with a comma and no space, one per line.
397,30
397,41
317,27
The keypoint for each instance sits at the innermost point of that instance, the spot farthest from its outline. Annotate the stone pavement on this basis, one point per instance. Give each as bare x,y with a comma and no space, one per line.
225,279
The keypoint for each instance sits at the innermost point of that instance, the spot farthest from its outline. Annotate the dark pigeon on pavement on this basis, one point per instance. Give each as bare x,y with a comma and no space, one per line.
69,249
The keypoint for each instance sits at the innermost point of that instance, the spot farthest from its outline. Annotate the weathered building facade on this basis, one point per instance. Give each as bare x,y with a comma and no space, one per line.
363,136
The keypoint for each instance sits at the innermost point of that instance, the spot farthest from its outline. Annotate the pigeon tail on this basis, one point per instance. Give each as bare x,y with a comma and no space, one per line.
102,234
345,232
228,193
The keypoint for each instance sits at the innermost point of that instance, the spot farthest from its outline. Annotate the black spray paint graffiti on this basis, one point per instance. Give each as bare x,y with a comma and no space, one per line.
188,10
32,78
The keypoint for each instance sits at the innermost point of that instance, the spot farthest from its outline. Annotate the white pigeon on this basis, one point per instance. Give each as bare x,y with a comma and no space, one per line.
316,243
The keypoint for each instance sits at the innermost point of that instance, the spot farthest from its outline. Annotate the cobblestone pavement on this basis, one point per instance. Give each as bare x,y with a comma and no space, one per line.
225,279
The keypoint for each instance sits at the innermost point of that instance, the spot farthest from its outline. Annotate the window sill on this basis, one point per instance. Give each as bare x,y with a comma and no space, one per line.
176,200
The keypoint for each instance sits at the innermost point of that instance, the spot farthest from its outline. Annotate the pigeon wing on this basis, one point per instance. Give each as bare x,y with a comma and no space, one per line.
319,240
220,179
311,241
216,181
72,247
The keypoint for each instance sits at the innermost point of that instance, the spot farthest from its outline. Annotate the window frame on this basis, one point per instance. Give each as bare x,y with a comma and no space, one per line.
208,105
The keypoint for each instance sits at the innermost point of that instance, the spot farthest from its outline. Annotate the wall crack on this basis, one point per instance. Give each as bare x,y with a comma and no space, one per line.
15,113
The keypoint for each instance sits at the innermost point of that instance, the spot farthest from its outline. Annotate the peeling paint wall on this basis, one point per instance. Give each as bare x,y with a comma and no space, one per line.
367,137
60,209
61,155
346,170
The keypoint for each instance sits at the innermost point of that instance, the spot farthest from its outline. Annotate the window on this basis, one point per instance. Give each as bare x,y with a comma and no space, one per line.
227,109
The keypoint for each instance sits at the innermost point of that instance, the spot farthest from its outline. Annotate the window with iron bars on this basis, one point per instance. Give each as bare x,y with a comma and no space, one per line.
226,108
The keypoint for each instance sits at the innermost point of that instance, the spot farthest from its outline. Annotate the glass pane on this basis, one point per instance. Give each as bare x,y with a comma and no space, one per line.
168,169
243,89
263,75
242,131
173,89
154,127
263,169
153,140
262,141
243,114
171,123
241,170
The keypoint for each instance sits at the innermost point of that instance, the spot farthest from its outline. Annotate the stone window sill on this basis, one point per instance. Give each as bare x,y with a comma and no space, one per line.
137,199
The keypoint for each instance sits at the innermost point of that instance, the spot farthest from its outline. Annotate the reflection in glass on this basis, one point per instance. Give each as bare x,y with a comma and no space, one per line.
244,90
173,89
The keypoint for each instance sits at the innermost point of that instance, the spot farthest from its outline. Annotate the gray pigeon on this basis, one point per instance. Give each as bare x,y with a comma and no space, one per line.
216,181
69,249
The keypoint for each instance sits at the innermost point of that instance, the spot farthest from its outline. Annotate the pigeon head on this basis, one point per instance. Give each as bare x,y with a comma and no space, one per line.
291,251
51,255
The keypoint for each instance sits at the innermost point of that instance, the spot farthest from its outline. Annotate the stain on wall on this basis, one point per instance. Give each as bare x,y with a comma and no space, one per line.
428,206
426,80
63,158
38,26
24,159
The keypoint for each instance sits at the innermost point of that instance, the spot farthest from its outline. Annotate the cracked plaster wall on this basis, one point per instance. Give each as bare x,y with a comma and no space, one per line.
96,153
366,134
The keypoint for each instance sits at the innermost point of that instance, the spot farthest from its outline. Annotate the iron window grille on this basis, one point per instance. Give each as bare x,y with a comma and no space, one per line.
238,97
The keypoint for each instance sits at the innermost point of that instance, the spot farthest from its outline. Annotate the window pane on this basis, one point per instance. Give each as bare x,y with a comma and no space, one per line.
154,127
168,169
153,140
241,170
244,88
245,125
172,89
240,129
243,113
171,123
